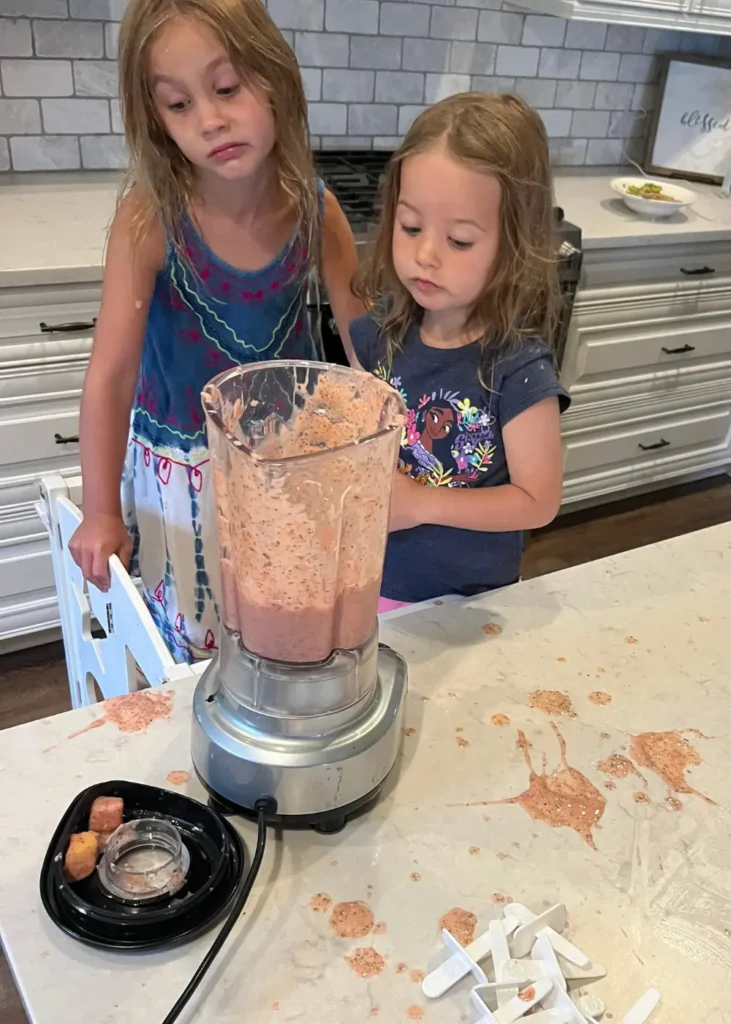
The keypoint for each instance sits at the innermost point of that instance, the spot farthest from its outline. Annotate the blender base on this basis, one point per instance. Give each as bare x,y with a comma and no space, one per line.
318,770
326,822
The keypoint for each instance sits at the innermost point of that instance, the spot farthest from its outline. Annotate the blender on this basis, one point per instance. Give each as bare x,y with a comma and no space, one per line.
301,708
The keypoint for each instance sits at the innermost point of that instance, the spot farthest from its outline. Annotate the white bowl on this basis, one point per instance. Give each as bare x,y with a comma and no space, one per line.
681,197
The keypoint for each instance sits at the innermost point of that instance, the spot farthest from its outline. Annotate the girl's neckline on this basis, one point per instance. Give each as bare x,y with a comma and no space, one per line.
229,267
439,348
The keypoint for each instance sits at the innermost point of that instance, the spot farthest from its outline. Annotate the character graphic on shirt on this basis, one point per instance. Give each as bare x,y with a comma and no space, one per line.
447,441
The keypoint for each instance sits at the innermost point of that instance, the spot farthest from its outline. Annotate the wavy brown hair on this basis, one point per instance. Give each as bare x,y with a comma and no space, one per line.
501,136
262,57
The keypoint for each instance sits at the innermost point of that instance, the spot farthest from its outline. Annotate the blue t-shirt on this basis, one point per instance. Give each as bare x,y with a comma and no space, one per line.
453,438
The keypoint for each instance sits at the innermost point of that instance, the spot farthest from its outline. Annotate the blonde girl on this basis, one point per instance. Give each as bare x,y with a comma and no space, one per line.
463,293
207,267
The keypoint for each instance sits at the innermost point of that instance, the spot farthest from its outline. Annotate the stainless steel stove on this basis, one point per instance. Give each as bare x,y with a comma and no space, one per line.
354,176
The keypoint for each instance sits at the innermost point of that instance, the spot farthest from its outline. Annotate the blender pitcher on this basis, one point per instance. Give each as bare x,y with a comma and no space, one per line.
303,457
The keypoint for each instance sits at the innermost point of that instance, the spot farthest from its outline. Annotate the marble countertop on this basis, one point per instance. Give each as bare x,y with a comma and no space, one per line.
638,644
58,222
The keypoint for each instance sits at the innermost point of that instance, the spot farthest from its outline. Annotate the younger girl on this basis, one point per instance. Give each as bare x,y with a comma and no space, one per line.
207,267
463,290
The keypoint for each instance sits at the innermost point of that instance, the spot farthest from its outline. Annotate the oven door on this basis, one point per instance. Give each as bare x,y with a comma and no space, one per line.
323,329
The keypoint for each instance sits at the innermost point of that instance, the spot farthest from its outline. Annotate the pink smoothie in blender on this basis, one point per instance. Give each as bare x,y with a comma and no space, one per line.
303,458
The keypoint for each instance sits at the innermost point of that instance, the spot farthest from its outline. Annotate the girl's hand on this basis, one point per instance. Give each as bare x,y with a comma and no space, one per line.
406,501
93,544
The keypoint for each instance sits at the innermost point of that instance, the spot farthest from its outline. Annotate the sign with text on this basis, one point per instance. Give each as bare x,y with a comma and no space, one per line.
692,125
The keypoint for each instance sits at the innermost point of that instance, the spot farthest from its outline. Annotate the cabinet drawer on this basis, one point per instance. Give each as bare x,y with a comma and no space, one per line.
652,336
640,444
32,439
675,263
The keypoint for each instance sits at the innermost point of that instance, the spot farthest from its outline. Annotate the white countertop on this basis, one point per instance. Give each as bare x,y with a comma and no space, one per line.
653,901
57,222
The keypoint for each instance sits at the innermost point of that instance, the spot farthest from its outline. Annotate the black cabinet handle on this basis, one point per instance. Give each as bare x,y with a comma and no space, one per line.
662,443
74,439
676,351
698,272
74,325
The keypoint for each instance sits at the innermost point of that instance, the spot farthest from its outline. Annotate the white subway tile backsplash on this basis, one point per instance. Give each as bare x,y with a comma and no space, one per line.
439,87
368,68
453,24
76,116
589,124
399,87
625,38
473,58
372,119
555,63
359,16
103,152
304,14
348,86
69,38
426,54
34,8
633,68
598,66
311,82
328,118
15,38
575,95
537,92
45,153
19,117
407,116
402,19
557,122
37,77
543,31
585,35
96,78
387,142
102,10
517,60
322,49
605,152
378,52
500,27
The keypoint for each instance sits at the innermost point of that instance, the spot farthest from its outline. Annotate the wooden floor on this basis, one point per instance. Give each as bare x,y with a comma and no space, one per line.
33,683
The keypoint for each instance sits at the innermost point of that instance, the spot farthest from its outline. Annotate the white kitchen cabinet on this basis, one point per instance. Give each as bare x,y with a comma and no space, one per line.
707,16
45,341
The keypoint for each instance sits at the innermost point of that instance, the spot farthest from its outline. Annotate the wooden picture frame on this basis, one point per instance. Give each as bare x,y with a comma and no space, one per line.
690,131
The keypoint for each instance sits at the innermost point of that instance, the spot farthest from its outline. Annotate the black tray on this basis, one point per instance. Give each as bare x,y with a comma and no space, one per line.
87,913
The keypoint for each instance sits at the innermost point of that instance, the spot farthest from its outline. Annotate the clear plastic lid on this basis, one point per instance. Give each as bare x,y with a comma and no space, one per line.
303,459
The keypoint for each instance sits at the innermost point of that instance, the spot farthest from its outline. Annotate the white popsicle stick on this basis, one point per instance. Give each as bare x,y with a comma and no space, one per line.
551,921
515,1008
591,1006
592,972
549,1017
642,1009
557,999
500,957
525,971
464,961
543,950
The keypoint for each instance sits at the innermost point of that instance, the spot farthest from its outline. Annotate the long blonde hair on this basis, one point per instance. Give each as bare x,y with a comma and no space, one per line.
262,57
498,135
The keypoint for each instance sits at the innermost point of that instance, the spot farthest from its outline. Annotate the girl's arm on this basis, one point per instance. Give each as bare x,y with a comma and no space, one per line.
129,280
532,498
338,264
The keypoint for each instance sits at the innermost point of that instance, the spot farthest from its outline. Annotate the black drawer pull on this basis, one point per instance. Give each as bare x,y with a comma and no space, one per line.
678,351
74,325
662,443
698,272
74,439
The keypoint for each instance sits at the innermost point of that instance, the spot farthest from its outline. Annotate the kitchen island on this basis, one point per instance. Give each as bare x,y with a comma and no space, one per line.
612,679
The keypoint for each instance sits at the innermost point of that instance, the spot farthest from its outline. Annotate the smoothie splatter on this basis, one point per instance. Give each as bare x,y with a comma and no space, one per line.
459,923
618,766
669,754
500,720
351,920
132,712
552,702
601,698
492,629
321,903
564,799
462,742
178,778
414,1013
367,963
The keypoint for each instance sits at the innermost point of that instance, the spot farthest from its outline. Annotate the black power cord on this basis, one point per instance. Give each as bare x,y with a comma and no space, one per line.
262,808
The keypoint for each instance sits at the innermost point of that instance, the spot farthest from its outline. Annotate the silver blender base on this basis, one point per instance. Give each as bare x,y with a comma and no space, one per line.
317,768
